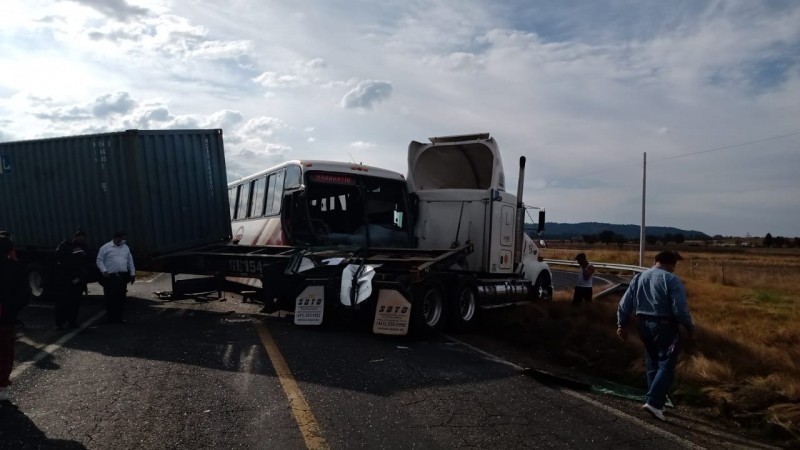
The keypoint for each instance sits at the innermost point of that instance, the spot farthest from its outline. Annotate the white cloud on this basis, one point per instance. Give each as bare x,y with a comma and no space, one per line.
262,127
226,119
301,74
117,9
360,145
458,61
117,103
582,91
366,94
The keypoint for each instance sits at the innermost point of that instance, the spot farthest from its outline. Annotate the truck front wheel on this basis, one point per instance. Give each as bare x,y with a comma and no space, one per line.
543,289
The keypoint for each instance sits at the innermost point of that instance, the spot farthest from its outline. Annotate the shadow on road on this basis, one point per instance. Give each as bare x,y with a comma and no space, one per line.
18,431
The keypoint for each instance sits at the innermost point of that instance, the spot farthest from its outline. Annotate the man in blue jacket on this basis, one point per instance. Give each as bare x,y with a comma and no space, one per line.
657,297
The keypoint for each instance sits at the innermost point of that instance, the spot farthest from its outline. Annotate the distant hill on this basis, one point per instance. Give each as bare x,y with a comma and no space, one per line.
555,230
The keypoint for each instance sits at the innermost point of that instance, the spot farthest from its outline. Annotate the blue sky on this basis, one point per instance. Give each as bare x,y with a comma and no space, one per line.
709,89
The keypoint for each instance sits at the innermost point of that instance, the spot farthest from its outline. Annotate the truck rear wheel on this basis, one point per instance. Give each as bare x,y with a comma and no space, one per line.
428,308
463,306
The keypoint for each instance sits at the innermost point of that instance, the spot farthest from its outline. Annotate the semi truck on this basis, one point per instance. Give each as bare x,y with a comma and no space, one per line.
167,189
469,250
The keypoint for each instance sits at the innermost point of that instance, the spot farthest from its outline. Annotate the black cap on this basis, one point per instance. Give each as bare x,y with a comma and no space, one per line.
668,257
79,233
580,256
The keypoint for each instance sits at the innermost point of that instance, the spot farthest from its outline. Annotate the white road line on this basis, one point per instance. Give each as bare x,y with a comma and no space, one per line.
486,354
155,278
52,348
675,438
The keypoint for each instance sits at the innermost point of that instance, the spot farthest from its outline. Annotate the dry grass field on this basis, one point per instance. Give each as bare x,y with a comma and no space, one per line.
745,360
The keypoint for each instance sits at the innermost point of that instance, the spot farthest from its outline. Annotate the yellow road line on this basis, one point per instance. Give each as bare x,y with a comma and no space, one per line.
300,409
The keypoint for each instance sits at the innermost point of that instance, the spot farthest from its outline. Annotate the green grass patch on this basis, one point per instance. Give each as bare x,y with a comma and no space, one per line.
769,298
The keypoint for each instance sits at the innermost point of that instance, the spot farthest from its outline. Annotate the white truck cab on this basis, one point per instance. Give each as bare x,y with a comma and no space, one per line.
460,186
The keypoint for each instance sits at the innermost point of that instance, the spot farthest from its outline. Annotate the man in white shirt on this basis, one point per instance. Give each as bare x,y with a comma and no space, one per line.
116,264
583,289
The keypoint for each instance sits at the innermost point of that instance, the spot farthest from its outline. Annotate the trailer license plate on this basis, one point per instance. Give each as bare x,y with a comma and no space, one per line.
309,306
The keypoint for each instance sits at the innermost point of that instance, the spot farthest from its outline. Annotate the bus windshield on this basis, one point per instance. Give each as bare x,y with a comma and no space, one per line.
347,209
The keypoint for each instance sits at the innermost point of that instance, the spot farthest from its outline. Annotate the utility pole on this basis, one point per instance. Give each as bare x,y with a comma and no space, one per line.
644,192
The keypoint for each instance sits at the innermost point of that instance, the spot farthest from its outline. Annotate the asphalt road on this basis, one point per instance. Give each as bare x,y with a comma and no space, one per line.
218,374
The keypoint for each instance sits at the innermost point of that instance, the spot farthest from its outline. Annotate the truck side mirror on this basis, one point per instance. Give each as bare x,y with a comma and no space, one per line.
540,227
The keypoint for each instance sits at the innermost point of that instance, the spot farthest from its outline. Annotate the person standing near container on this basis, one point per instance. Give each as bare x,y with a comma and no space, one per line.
71,274
115,262
14,293
13,253
583,289
658,299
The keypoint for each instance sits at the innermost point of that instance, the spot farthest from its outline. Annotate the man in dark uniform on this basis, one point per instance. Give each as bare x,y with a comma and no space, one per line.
14,295
72,269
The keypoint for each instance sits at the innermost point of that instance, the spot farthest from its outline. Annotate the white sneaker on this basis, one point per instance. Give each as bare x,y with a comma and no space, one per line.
655,412
5,394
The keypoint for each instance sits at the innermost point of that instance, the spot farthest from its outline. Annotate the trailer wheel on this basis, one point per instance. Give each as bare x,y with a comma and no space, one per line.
428,309
463,306
36,281
543,289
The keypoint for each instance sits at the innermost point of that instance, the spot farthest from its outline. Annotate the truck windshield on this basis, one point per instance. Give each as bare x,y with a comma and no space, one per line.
357,210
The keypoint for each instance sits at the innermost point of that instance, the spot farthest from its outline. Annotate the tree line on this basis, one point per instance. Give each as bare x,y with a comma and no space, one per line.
610,237
780,241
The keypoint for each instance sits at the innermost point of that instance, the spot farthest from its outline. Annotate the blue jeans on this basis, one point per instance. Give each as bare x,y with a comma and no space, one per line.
661,340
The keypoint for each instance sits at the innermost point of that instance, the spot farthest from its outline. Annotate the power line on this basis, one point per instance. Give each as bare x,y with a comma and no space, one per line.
715,149
726,147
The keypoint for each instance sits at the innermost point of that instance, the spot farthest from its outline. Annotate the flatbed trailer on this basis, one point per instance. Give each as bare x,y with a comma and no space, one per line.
328,283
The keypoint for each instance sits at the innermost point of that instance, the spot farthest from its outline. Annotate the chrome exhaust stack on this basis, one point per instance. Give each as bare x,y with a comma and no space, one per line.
520,225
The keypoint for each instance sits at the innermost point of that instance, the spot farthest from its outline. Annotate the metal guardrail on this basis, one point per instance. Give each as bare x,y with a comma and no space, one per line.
618,287
598,265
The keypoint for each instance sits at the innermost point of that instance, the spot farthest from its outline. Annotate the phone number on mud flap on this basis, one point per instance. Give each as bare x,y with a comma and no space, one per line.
391,323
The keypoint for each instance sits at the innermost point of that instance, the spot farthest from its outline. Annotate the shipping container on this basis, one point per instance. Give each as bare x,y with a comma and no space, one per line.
167,189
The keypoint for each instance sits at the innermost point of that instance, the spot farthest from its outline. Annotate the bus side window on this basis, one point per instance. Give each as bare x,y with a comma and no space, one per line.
270,195
276,202
257,204
244,200
293,177
233,194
